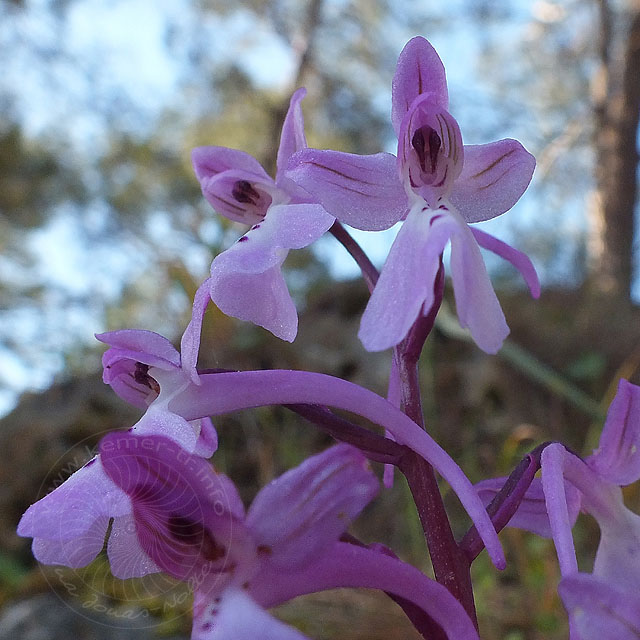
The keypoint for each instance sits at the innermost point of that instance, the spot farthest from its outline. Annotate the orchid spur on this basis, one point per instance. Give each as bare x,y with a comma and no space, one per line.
246,281
436,185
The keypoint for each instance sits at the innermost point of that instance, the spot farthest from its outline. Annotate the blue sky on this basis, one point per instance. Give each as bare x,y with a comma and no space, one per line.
119,48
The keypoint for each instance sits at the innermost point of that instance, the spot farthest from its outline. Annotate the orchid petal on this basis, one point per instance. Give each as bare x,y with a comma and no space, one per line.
246,281
300,514
72,552
600,609
261,298
361,191
419,71
126,557
183,510
493,178
143,346
207,443
190,343
532,512
236,616
618,554
157,421
240,195
430,150
209,162
618,456
293,226
476,302
126,378
406,281
292,138
70,510
553,485
518,259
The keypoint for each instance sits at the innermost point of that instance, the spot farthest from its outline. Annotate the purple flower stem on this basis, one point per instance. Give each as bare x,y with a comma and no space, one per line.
506,501
369,272
450,564
375,447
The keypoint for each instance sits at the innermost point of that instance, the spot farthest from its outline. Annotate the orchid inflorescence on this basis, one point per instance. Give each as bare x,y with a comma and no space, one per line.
167,509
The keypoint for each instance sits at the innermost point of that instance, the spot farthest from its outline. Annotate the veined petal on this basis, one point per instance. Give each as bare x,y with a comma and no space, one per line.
361,191
292,138
240,195
184,511
126,363
518,259
430,150
406,281
126,557
618,457
236,616
419,71
601,609
129,380
299,515
493,178
72,552
233,182
532,513
476,302
71,509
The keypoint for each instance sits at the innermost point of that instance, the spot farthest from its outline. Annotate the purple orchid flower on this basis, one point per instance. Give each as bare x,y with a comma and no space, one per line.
246,280
436,185
191,522
68,526
607,598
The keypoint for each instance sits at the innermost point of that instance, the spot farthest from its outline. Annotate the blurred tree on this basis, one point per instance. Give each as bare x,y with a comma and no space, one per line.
616,100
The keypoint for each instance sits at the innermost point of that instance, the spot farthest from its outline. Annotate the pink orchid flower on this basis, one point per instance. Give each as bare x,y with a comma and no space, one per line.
436,185
68,526
246,281
191,521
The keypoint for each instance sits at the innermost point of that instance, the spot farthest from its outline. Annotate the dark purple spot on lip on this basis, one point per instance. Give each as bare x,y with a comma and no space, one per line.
194,534
255,226
427,147
243,239
243,191
90,462
141,376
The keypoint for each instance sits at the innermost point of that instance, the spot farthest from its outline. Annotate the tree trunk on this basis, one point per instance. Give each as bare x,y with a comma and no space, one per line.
616,90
